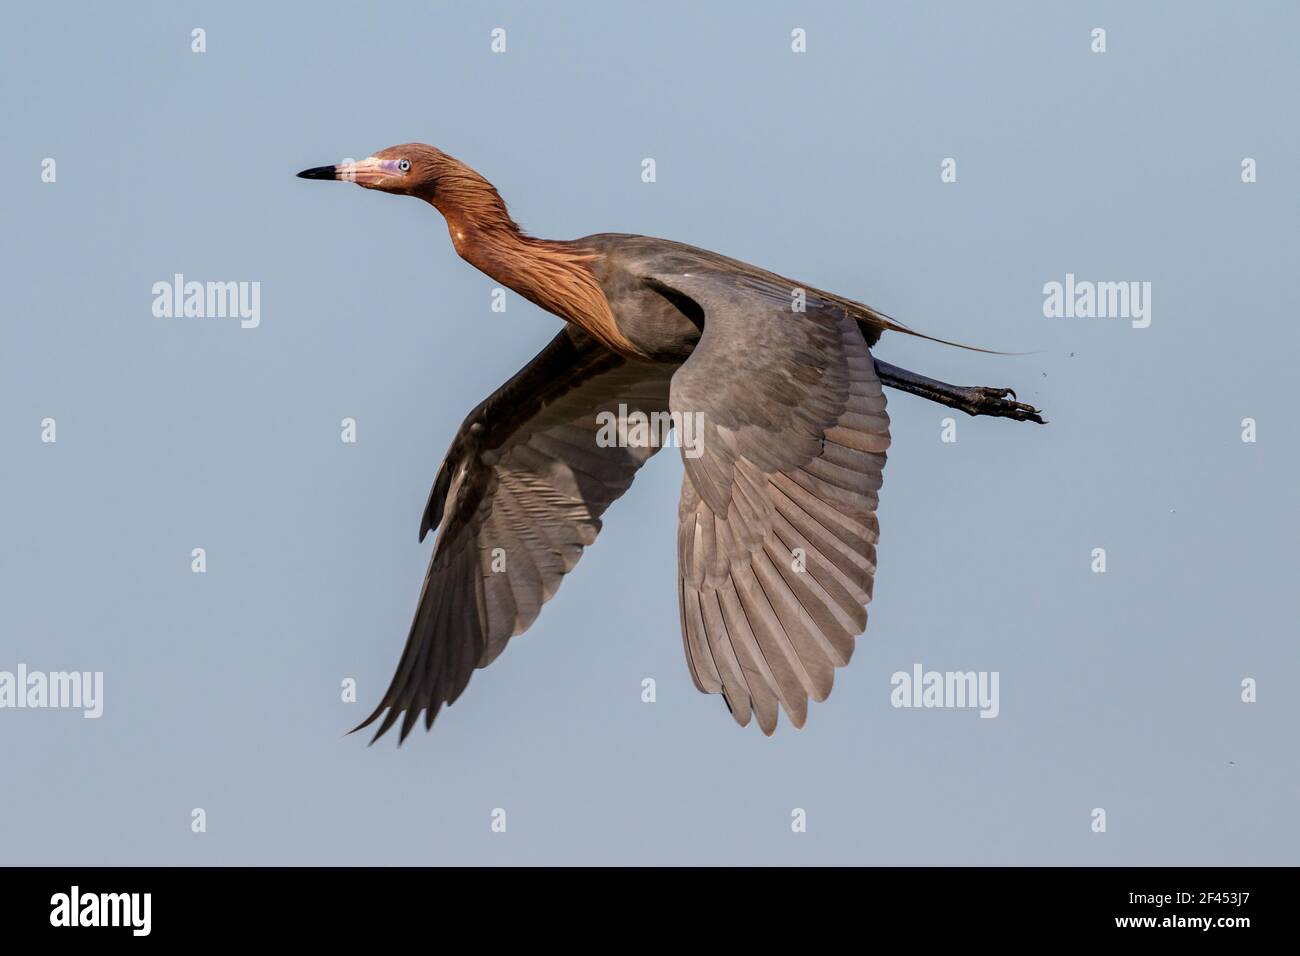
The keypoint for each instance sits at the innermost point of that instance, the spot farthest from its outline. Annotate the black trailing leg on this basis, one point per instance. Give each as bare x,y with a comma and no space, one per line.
971,399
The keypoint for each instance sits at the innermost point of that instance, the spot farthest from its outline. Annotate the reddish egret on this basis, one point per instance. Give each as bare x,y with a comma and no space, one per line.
773,383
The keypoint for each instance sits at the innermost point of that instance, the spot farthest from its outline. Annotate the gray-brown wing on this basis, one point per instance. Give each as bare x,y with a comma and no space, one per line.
777,524
519,495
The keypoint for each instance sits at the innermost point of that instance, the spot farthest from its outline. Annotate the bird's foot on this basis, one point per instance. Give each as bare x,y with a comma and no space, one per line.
999,403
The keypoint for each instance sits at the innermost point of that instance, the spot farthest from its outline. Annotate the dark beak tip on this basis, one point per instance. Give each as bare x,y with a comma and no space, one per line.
318,172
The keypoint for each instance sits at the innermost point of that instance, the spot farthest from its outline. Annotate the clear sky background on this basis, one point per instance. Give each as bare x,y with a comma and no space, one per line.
222,690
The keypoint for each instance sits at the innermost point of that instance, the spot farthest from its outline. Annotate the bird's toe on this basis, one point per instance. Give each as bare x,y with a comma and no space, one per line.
1002,403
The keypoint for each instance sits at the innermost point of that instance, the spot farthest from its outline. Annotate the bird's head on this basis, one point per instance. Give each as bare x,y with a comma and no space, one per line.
412,169
468,201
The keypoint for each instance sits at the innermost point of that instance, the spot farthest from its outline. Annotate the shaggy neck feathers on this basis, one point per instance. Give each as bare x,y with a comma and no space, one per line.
552,275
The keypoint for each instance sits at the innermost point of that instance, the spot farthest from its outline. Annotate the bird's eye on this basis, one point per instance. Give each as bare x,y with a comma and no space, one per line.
404,165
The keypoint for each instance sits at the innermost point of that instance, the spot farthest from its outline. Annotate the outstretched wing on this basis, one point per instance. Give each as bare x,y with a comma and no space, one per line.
519,495
777,525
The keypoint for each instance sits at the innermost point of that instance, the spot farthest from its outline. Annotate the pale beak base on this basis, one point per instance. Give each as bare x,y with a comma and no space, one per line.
369,172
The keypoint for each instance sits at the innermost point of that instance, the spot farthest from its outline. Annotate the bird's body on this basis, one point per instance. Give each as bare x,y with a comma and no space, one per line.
774,379
636,275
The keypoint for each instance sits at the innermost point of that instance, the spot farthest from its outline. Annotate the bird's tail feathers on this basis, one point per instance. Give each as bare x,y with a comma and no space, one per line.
878,320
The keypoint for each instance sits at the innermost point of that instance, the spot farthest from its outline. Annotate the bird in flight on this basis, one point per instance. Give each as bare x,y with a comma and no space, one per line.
776,384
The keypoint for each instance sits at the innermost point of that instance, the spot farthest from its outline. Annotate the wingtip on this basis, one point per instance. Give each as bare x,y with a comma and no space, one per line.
367,722
370,742
412,718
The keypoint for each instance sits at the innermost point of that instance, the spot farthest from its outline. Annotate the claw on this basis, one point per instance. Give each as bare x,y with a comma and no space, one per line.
1002,403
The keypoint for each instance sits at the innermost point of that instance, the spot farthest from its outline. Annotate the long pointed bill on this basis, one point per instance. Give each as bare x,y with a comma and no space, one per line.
366,172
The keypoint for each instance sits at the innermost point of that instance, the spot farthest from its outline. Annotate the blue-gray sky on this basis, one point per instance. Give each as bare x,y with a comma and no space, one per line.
1119,690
